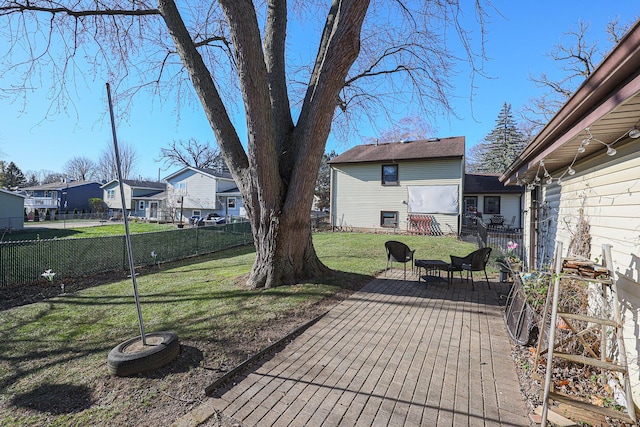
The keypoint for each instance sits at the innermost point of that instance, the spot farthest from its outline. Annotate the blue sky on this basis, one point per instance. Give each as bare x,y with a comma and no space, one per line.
517,45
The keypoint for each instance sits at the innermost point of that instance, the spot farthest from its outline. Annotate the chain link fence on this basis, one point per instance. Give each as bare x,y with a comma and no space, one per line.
22,262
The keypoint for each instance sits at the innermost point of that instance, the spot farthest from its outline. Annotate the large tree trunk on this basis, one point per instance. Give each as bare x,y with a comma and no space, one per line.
284,252
277,173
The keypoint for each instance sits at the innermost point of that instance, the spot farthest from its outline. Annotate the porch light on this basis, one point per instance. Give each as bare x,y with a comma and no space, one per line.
634,133
611,151
571,171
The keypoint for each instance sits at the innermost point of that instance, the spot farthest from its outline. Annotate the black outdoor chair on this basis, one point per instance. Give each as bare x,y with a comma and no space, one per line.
398,252
496,221
475,261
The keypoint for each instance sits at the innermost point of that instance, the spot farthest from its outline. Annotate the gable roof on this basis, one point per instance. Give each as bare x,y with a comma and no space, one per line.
210,172
230,192
134,183
397,151
12,193
154,195
60,185
488,183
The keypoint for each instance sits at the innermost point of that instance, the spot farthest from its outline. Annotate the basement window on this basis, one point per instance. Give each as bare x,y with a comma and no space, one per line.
389,219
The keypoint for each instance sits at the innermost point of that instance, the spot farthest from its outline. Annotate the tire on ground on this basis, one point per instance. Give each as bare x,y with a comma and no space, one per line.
122,363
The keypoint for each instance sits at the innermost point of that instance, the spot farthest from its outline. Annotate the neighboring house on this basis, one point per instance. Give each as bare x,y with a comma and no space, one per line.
582,173
485,195
11,210
400,186
143,199
196,192
61,197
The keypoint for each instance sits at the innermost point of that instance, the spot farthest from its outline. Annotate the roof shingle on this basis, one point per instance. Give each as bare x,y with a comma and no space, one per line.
488,183
410,150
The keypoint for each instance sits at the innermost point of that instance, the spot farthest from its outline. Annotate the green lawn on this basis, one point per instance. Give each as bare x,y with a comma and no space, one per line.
108,229
59,346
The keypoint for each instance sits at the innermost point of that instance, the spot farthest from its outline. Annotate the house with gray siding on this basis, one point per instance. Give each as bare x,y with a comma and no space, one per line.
11,210
198,192
582,174
61,197
413,186
143,199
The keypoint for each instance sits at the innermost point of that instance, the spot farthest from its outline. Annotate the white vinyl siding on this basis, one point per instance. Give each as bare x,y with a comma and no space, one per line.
608,191
359,198
111,195
510,206
199,190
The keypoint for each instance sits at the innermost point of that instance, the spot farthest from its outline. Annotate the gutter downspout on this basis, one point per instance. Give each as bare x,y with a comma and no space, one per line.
331,201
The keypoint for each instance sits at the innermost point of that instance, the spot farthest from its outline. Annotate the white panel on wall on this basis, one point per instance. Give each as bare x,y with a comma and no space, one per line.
433,199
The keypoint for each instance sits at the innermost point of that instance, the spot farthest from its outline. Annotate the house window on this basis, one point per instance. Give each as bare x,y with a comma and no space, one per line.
111,194
470,205
390,175
491,205
389,219
196,213
180,188
231,202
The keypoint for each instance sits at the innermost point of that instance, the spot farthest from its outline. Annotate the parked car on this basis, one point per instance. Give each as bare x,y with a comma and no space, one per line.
216,218
194,220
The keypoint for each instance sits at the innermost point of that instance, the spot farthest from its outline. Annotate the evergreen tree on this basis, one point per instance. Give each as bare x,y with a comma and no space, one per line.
32,181
13,177
3,168
323,182
500,148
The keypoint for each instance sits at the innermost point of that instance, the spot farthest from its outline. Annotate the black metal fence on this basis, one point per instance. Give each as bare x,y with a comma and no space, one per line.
505,241
23,262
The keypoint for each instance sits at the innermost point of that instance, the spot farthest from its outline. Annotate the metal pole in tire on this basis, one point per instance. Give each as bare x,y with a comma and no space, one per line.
126,221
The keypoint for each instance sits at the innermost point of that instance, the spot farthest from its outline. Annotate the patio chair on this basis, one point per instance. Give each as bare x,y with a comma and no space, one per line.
496,221
475,261
398,252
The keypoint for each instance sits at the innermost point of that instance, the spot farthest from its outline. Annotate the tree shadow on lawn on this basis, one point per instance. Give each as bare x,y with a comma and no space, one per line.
16,296
55,399
343,279
189,358
40,233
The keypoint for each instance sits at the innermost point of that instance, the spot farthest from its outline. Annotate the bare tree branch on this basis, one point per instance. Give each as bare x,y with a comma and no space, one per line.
20,8
231,56
80,168
191,153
